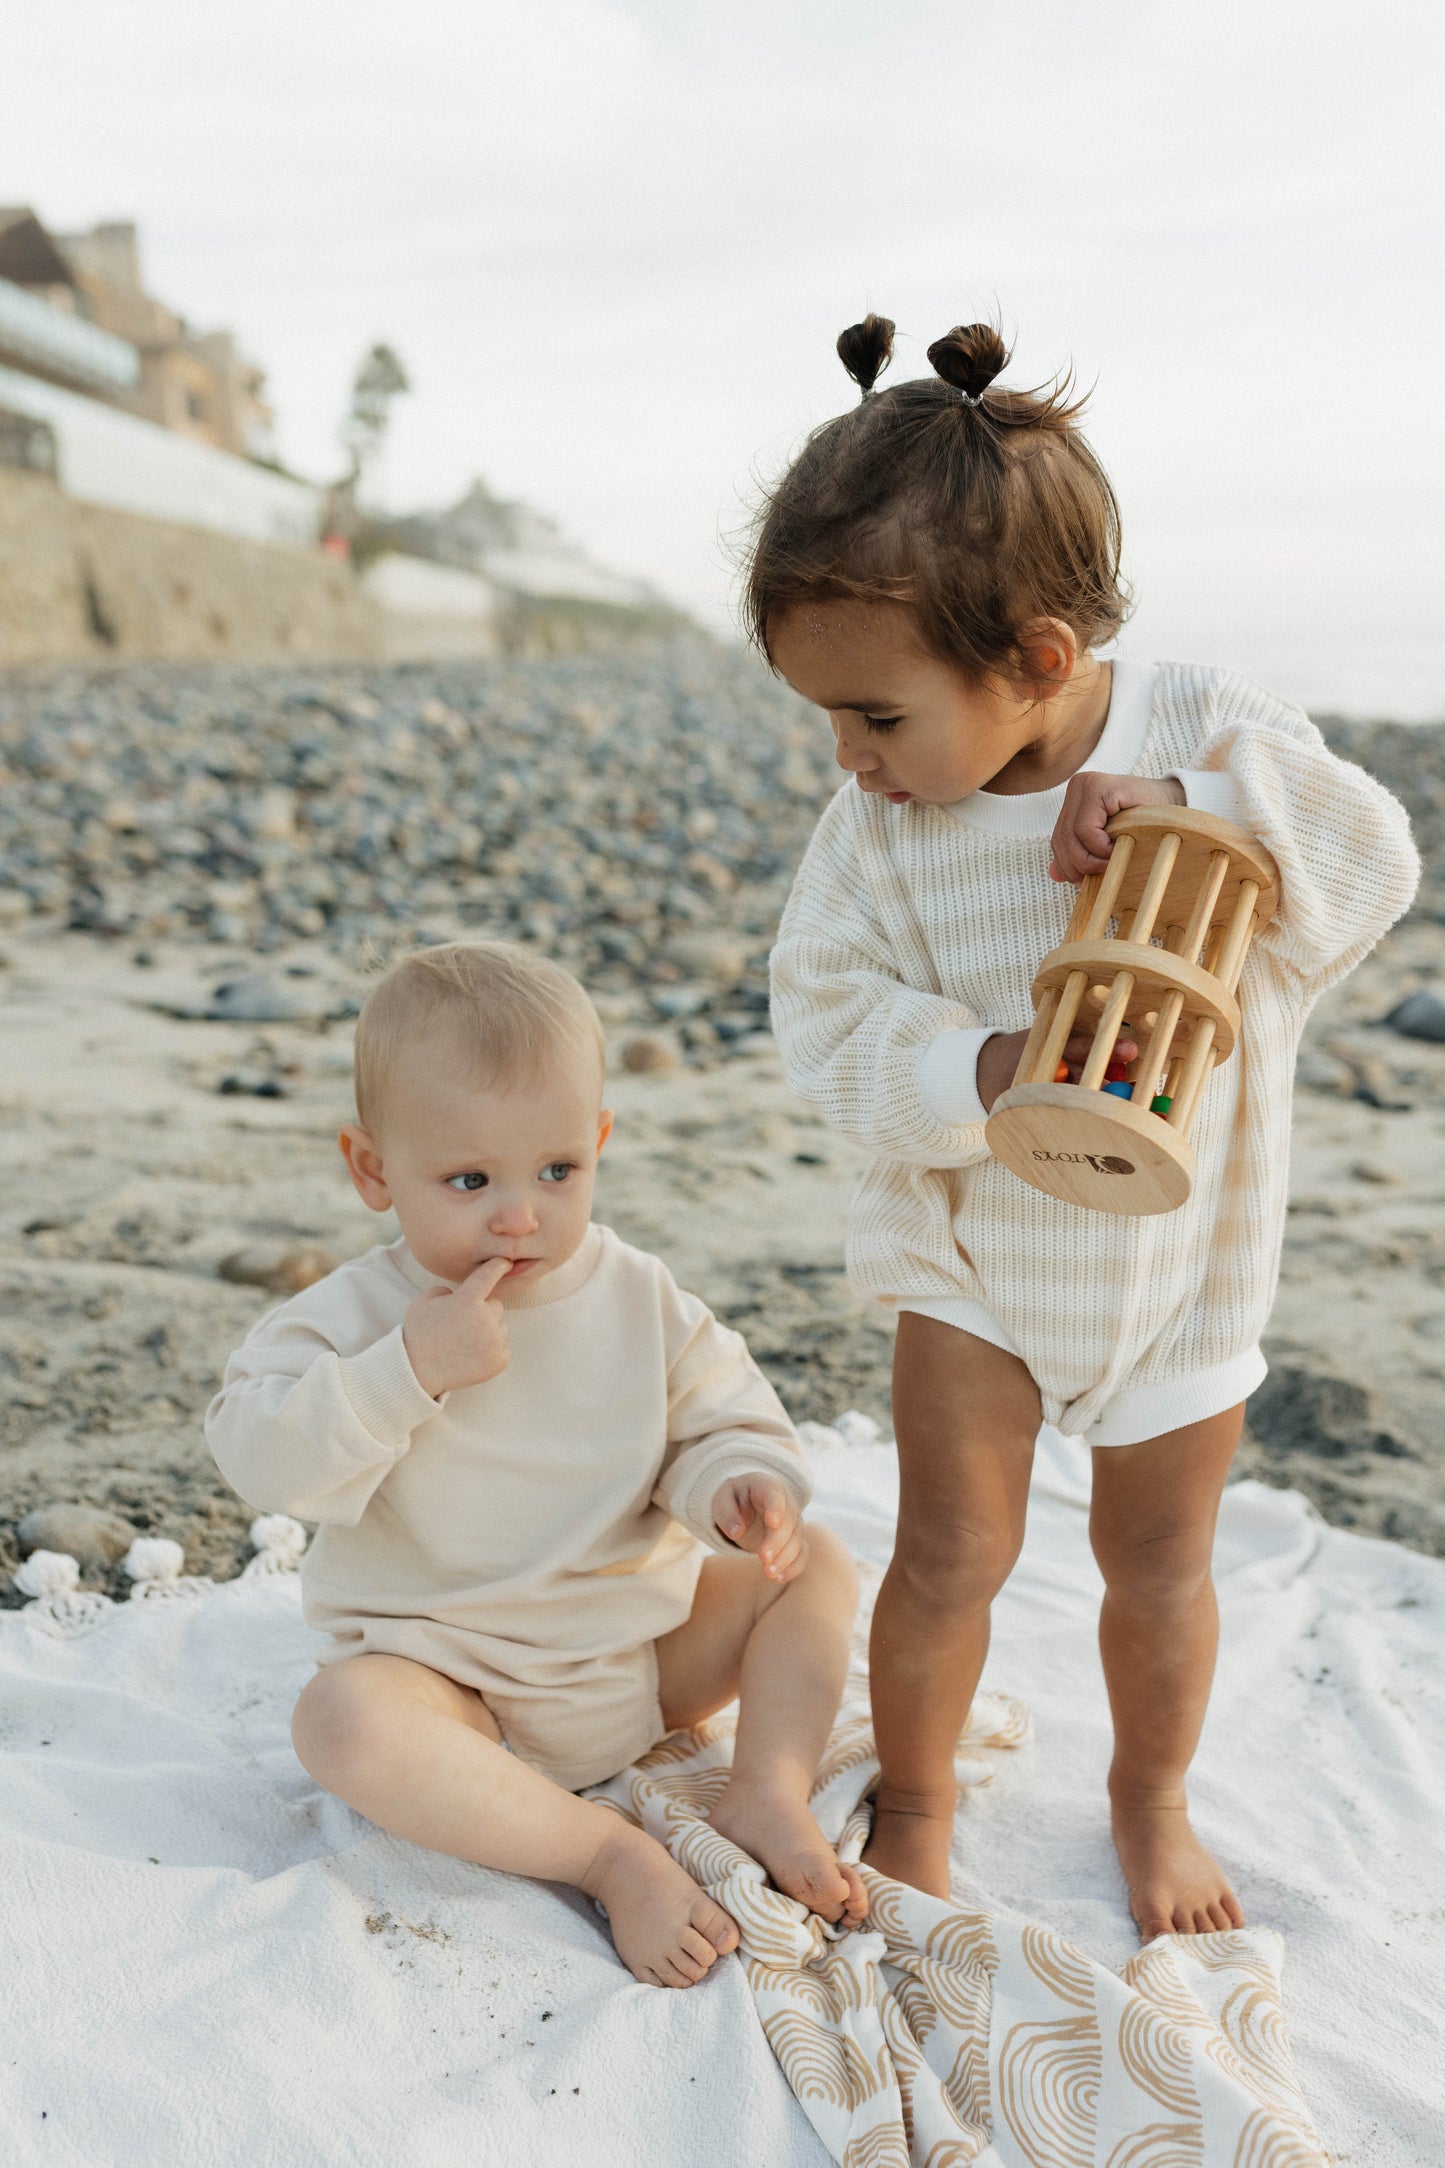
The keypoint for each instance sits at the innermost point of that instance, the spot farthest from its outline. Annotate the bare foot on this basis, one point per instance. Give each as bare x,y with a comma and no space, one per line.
776,1830
668,1932
1175,1888
911,1844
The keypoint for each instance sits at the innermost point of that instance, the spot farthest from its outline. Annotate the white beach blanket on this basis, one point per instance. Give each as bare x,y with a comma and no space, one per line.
207,1961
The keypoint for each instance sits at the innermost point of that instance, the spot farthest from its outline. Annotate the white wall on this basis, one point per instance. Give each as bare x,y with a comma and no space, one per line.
427,589
110,458
428,612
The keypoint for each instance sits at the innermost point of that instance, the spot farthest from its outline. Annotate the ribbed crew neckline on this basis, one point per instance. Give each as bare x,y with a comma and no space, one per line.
1033,812
527,1295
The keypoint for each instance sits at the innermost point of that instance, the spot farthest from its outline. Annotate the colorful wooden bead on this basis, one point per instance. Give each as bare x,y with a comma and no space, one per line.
1160,1103
1061,1074
1120,1089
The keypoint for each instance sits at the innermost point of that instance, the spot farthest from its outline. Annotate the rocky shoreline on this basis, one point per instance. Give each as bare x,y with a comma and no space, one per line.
197,866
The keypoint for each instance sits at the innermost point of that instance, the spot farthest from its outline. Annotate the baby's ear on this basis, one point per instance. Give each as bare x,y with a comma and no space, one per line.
363,1164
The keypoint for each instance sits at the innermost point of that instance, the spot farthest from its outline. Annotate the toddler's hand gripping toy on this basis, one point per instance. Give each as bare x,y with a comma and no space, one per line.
1117,1140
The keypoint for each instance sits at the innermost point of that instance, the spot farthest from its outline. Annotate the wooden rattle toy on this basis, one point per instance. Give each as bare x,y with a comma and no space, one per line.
1118,1140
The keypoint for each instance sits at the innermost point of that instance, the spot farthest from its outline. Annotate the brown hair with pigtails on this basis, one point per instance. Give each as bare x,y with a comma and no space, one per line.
976,507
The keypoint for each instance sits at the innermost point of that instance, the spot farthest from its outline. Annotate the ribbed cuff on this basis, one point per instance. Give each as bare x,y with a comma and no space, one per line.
1212,790
385,1392
948,1076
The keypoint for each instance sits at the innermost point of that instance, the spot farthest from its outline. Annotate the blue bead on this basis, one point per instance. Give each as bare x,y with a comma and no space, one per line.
1120,1091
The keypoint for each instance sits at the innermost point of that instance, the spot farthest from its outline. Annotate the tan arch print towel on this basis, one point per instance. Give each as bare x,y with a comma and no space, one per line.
937,2037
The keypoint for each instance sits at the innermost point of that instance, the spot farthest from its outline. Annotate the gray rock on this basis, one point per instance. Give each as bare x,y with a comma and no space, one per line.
253,1084
267,1001
87,1533
1420,1015
283,1267
1319,1072
675,1001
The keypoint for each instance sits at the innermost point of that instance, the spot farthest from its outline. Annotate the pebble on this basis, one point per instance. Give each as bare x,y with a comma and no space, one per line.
647,1054
1319,1072
87,1533
283,1267
638,814
1420,1015
708,956
252,1084
267,1001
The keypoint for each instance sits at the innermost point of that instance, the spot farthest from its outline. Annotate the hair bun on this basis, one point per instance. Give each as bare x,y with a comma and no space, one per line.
866,349
970,357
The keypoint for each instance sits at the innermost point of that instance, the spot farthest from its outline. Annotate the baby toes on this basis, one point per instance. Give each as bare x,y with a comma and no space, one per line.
698,1948
712,1922
855,1905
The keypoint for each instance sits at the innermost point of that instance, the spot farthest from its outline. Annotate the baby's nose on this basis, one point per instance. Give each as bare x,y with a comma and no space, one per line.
513,1217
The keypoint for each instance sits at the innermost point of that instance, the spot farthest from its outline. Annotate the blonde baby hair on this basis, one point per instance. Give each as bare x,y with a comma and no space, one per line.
505,1008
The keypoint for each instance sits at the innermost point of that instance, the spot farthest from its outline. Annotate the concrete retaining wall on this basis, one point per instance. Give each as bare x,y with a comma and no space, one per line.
82,582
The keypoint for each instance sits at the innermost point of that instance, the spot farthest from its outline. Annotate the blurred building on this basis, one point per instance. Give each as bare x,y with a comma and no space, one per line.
75,312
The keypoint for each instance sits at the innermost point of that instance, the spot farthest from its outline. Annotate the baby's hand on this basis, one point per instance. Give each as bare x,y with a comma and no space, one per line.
1080,844
457,1336
760,1514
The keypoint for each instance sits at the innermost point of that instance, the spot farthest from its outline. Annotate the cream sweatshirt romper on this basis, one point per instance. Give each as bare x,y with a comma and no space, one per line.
914,931
532,1536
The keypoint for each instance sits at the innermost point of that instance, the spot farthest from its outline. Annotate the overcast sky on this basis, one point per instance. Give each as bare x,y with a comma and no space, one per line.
614,241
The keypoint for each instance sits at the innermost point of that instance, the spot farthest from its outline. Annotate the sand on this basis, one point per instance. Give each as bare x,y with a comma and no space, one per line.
129,1176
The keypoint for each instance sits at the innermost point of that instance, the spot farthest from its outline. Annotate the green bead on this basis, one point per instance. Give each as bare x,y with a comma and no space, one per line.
1159,1104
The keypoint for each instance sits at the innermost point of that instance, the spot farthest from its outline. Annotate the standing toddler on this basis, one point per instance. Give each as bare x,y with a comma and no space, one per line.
939,572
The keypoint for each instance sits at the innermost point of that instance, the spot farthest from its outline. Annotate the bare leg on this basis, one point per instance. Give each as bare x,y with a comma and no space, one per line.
422,1757
966,1415
784,1651
1152,1527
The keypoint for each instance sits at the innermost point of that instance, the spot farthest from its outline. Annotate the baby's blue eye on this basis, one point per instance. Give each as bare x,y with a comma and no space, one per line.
466,1181
558,1171
883,722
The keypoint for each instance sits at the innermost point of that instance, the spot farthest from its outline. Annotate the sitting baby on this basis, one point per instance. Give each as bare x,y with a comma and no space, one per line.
560,1507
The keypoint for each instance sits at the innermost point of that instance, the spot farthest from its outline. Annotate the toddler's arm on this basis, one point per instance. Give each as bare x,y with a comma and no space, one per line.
725,1424
1348,867
298,1428
854,1037
1342,844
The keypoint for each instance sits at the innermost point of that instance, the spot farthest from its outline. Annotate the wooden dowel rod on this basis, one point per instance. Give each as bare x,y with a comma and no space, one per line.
1083,905
1071,994
1043,1017
1106,1032
1142,923
1239,936
1202,916
1110,883
1151,1062
1197,1064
